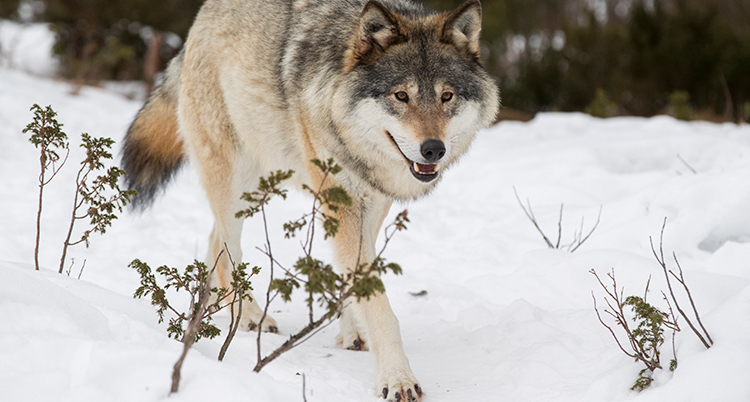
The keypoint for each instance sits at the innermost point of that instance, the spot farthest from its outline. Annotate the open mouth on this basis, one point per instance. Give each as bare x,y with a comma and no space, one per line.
422,172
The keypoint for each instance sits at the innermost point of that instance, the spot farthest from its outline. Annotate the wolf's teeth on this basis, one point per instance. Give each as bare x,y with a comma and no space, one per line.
416,169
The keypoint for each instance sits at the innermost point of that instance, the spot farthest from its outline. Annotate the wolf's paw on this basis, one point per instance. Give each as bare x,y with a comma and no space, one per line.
350,341
400,388
349,337
251,323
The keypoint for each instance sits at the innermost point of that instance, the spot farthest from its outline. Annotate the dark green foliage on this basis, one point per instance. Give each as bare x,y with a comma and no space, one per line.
639,52
267,188
323,286
319,280
103,39
601,106
9,8
643,381
679,104
649,334
647,337
98,199
101,208
47,135
193,280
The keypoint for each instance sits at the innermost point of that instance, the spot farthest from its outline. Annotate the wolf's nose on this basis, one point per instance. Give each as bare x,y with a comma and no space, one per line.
432,150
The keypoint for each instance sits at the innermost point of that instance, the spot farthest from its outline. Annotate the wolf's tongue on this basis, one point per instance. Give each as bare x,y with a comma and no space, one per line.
425,169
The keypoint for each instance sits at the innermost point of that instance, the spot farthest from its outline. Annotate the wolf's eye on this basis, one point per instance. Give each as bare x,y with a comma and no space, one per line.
446,96
402,96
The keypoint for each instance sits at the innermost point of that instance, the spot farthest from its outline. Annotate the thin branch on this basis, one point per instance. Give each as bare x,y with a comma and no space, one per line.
559,226
673,325
611,331
289,344
598,219
681,279
237,296
616,311
82,267
686,164
530,214
663,265
191,332
268,291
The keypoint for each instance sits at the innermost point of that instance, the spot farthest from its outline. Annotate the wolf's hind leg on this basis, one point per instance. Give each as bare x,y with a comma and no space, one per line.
251,312
224,181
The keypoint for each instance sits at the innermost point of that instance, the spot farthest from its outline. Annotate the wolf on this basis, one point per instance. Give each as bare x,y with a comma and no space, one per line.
392,91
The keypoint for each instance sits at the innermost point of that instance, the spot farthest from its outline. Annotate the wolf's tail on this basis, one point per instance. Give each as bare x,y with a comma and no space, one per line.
153,150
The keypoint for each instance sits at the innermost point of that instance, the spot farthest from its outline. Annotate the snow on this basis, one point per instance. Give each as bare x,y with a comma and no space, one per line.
504,317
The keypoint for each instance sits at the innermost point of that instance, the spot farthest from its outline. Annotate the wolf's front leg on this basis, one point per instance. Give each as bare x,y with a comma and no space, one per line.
371,324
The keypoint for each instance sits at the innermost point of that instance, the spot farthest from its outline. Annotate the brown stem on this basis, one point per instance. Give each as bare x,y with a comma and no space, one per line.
690,297
268,291
663,265
235,322
618,314
73,217
530,214
290,343
188,338
38,224
581,241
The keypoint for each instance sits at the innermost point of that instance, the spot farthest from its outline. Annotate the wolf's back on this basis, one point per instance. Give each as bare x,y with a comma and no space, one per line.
153,150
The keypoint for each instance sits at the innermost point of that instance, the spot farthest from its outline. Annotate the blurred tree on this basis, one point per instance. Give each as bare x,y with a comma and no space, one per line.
9,8
546,54
99,39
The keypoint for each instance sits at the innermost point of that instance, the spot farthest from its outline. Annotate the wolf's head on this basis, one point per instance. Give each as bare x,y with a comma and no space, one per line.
413,94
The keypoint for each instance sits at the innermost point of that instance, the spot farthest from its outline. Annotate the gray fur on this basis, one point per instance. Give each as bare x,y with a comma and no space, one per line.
264,85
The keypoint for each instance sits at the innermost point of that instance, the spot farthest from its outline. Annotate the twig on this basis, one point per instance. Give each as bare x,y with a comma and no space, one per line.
268,291
290,343
660,259
681,279
686,164
674,326
578,240
237,296
530,214
581,241
616,311
304,394
559,225
82,267
192,330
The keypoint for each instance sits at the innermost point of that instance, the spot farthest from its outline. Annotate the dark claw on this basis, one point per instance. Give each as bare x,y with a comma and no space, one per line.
272,329
252,326
358,344
409,394
385,393
418,389
398,396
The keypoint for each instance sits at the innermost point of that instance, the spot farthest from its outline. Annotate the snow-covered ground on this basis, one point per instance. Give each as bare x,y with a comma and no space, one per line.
504,318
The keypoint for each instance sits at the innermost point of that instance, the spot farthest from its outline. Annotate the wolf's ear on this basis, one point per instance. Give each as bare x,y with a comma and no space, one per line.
378,30
462,28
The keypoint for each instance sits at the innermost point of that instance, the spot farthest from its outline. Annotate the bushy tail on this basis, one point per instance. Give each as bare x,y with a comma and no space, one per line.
153,151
